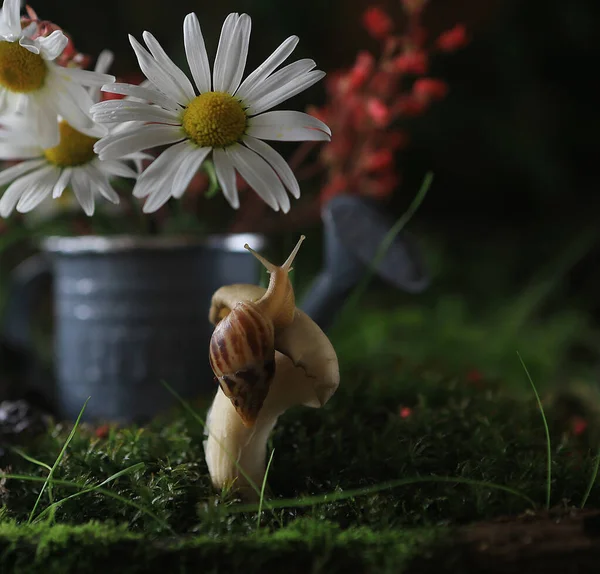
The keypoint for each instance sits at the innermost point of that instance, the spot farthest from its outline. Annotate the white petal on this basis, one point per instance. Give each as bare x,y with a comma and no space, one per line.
103,64
82,77
29,44
282,169
82,189
16,171
39,189
156,73
162,169
12,151
147,94
195,51
125,110
181,81
226,176
13,193
117,168
62,182
51,47
280,78
268,66
39,111
11,14
260,176
237,54
188,169
72,101
98,179
221,71
145,137
287,125
285,92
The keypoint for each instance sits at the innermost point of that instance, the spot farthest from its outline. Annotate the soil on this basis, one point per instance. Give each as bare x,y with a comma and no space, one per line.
565,541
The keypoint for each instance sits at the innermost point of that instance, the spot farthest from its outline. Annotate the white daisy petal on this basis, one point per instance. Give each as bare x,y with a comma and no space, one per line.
125,110
81,77
156,73
40,113
144,137
13,193
268,66
39,189
220,71
188,169
99,180
181,80
70,100
147,94
274,159
280,78
260,176
287,125
117,168
11,14
12,151
285,92
16,171
62,182
162,169
51,47
195,51
238,53
103,64
29,44
80,184
226,176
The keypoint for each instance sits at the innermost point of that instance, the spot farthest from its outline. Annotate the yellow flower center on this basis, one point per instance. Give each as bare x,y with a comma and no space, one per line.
214,119
73,149
20,70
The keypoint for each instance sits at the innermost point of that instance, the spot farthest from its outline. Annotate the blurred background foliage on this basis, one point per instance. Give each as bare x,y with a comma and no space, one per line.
509,227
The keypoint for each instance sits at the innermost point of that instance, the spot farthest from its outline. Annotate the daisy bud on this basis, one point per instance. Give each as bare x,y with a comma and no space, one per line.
377,22
453,39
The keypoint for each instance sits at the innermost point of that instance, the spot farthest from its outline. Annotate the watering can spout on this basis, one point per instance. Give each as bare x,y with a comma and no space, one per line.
354,229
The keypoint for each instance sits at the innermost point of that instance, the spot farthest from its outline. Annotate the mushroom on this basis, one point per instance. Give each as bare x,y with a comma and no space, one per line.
267,357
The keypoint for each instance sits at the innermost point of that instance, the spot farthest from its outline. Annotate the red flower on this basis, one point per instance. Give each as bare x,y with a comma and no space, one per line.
102,431
579,425
362,69
377,23
409,106
378,160
378,112
411,63
429,89
453,39
405,412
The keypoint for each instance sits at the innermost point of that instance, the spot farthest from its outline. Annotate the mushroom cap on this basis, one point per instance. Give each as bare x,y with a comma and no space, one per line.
303,342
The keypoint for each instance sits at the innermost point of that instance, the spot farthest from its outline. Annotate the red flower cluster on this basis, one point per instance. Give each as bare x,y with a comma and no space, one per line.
367,103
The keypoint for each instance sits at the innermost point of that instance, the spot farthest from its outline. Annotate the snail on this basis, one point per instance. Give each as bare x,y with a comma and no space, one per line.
267,356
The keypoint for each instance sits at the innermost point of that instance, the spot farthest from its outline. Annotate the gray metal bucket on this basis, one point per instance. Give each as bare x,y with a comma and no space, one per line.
131,312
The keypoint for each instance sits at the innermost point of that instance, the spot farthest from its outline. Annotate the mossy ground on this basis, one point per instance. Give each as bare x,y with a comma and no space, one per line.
378,428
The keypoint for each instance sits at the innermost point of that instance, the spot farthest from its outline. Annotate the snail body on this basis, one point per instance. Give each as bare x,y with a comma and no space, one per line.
242,347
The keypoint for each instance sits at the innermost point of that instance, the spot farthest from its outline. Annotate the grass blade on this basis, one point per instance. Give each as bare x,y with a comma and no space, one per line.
55,505
105,491
353,493
57,461
592,480
548,442
262,490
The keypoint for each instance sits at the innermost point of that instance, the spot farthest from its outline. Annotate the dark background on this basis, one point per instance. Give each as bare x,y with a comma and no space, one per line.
513,147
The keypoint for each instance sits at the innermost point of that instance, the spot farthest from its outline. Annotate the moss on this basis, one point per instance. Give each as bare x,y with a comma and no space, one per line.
304,546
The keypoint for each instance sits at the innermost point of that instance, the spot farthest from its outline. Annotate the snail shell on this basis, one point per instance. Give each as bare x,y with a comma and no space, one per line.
242,357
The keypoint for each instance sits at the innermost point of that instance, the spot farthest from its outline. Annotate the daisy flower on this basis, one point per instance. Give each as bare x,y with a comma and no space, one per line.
221,115
33,85
47,169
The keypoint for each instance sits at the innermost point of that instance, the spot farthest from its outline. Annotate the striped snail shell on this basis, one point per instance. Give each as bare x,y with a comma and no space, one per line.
242,357
242,347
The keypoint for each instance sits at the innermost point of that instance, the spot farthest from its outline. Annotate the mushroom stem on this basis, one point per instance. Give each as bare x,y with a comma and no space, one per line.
231,447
